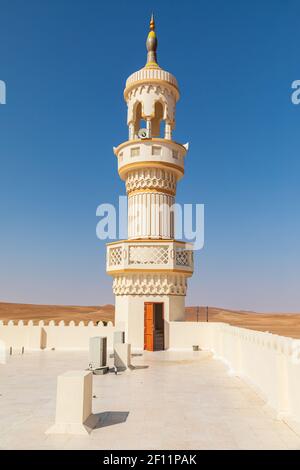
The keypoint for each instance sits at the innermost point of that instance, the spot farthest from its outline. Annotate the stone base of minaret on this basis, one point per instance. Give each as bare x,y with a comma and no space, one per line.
150,284
130,315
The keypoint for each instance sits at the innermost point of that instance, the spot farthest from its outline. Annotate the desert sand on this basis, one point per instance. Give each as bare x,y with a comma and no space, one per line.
26,312
285,324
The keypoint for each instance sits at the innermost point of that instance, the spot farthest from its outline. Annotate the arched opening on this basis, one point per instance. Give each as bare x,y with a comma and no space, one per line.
137,117
157,129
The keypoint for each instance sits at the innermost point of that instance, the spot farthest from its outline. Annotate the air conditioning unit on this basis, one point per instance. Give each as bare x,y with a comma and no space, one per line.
97,352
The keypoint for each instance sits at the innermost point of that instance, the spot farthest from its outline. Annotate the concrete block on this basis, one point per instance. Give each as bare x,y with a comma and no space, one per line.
74,404
119,337
122,356
97,352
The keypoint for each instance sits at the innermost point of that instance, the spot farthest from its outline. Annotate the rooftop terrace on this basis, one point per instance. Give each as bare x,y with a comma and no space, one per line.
170,400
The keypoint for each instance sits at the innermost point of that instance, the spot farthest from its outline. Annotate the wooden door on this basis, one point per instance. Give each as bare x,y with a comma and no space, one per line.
149,326
153,326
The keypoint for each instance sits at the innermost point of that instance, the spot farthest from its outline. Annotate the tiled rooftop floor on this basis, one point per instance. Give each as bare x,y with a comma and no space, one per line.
171,400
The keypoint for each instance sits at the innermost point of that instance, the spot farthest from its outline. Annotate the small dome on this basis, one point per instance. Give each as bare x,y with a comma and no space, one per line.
151,71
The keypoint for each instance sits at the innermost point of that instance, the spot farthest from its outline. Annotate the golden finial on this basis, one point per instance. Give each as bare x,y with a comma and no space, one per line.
152,23
151,45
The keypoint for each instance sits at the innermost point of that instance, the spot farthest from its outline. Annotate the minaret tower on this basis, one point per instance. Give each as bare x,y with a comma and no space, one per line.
150,268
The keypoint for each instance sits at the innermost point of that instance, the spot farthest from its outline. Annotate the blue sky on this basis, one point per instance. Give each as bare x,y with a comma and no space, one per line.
65,64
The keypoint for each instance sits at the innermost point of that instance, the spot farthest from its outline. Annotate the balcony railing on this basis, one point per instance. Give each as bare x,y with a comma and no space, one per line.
149,255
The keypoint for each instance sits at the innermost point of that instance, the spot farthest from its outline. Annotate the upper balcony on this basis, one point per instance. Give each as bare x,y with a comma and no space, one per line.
150,152
149,255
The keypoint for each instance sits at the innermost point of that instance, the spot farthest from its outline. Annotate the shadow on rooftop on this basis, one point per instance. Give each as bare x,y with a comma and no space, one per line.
111,355
131,367
109,418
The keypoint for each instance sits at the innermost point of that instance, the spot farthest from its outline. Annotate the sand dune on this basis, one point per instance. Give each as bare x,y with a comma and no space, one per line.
285,324
26,312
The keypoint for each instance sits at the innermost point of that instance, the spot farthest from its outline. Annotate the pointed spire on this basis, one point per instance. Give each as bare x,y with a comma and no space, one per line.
152,23
151,45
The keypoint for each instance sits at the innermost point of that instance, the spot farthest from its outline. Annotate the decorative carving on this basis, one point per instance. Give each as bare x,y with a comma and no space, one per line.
151,178
154,77
183,257
150,284
115,256
157,89
145,254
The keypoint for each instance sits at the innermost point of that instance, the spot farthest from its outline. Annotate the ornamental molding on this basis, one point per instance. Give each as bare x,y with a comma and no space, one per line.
147,73
151,178
158,87
150,284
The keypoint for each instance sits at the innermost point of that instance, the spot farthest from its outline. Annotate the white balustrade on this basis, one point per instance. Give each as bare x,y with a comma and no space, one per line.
148,255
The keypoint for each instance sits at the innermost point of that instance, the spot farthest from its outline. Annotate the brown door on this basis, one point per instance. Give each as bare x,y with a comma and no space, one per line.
148,326
153,326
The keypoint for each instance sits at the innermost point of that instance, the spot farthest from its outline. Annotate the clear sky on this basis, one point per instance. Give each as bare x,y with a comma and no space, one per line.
65,64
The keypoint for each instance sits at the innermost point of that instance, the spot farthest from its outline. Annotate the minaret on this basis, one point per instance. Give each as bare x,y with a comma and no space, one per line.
150,268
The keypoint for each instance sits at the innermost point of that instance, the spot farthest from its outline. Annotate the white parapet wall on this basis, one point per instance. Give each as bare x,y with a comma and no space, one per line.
2,352
54,335
270,363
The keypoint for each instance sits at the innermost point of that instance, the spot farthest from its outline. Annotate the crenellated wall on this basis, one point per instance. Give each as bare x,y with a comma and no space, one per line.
53,335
